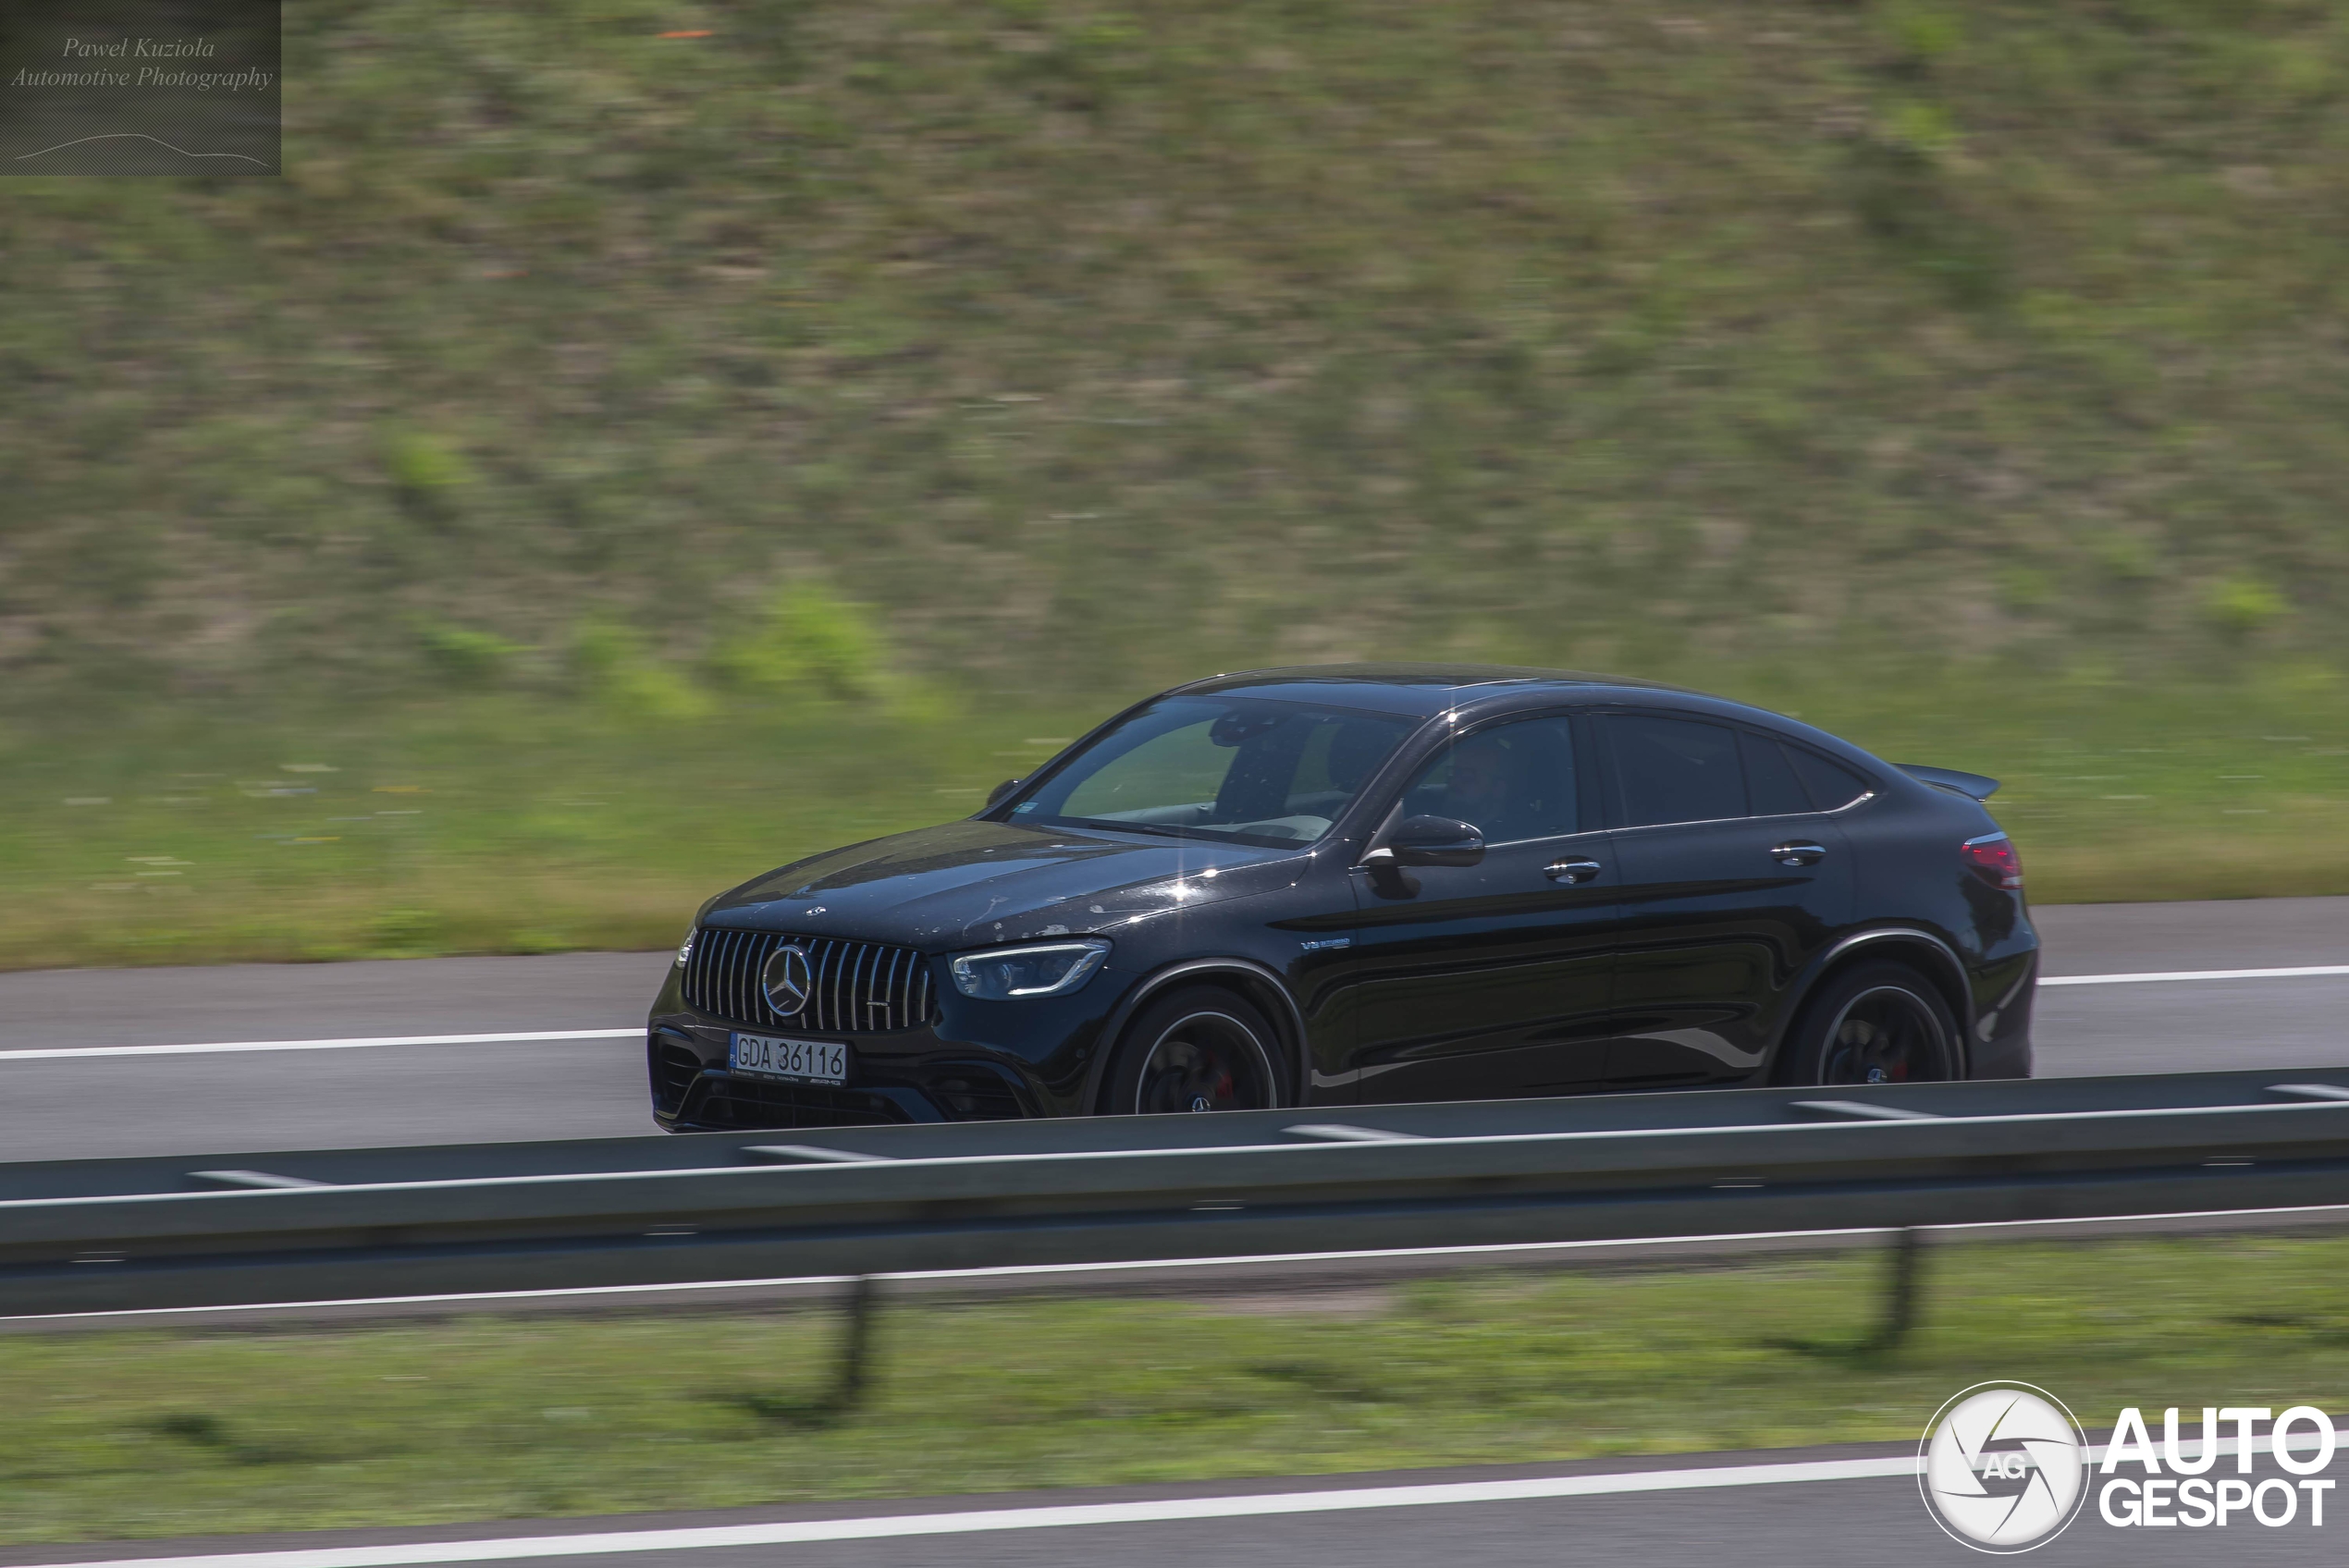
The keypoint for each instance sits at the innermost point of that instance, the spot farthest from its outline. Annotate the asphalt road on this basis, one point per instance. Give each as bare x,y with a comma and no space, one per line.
1831,1523
138,1103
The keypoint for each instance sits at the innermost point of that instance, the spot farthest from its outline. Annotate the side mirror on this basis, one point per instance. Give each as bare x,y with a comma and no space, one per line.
995,796
1435,840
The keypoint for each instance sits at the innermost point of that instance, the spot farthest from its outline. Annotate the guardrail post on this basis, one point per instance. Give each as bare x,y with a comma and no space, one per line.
1900,1290
855,1351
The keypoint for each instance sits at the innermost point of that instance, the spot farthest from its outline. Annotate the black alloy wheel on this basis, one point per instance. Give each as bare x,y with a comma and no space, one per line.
1878,1023
1199,1050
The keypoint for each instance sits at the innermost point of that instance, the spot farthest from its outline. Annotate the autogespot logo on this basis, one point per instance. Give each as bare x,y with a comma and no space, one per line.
2004,1467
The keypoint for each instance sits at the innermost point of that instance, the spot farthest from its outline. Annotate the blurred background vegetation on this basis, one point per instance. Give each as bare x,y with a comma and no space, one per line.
667,437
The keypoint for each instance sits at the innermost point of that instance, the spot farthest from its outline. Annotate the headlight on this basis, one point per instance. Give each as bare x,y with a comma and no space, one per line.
685,950
1050,969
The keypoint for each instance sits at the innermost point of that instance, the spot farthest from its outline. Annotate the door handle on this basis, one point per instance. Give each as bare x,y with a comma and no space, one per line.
1799,852
1572,870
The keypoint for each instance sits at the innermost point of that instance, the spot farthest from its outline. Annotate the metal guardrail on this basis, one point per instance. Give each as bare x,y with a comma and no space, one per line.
114,1235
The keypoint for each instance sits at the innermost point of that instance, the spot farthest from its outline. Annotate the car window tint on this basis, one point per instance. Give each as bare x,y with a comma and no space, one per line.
1338,757
1676,769
1831,784
1179,764
1269,773
1771,787
1511,782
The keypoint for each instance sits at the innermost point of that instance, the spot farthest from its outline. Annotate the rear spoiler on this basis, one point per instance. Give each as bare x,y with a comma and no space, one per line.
1969,784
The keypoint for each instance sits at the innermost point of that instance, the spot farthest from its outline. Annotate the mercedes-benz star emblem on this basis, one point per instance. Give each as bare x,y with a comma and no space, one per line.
787,979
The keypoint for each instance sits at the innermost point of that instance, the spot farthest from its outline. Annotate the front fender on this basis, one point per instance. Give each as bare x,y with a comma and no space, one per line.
1257,981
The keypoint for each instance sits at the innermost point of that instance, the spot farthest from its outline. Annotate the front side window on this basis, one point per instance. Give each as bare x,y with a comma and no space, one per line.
1511,782
1675,769
1252,771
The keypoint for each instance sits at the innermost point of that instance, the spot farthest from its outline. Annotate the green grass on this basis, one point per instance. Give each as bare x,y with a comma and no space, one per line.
486,827
121,1436
1096,345
498,824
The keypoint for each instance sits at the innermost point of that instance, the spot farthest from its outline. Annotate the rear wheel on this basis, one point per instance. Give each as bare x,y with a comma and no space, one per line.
1199,1048
1875,1024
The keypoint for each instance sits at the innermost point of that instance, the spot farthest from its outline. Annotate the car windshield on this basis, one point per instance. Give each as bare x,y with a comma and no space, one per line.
1255,772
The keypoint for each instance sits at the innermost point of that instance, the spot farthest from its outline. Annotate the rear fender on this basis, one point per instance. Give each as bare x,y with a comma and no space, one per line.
1933,956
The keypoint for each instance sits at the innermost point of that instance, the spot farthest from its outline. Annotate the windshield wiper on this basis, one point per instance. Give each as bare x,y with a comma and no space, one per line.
1161,829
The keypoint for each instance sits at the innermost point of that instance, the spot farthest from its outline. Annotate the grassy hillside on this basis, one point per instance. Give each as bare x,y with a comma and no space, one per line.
1092,344
677,376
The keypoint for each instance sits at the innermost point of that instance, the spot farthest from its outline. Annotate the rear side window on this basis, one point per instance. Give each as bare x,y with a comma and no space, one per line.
1831,784
1769,778
1675,769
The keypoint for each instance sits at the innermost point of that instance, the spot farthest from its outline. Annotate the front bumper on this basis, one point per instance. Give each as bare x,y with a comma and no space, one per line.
692,1091
974,1061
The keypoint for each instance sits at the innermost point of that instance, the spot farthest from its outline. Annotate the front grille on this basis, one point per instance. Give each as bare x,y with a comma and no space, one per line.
857,987
719,1101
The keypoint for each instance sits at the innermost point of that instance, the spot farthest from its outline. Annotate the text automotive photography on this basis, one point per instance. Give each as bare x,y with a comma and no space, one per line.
139,87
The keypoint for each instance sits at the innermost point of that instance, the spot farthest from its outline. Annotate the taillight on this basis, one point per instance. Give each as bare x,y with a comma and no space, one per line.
1992,858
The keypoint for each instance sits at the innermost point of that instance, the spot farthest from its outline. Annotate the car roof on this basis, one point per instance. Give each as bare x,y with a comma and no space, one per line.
1421,691
1476,691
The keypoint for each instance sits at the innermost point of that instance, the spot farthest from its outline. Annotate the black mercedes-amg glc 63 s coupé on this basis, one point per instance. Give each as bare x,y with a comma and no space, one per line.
1352,884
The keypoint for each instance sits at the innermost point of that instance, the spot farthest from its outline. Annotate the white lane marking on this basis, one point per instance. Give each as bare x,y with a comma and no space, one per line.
53,1053
898,1526
2165,975
888,1527
58,1052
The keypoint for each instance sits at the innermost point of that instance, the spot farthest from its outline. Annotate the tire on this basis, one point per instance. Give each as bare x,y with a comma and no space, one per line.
1197,1049
1874,1023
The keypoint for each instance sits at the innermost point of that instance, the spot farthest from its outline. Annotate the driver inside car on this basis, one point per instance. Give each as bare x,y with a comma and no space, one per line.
1483,786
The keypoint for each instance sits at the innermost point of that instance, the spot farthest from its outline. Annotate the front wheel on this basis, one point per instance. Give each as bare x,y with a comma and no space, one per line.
1199,1048
1876,1024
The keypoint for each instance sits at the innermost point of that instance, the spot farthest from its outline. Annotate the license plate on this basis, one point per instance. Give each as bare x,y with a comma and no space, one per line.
803,1061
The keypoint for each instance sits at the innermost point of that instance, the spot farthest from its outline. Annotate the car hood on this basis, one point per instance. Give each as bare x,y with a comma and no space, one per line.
969,883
